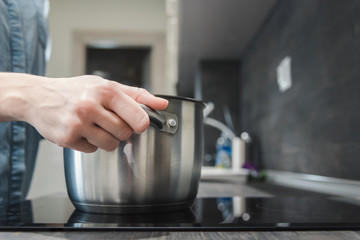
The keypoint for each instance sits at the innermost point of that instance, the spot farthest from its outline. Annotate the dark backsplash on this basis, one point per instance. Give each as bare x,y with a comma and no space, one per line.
314,127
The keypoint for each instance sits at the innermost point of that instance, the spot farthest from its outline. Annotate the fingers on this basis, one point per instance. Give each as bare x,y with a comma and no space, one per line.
130,111
125,103
96,137
142,96
105,130
110,112
84,146
114,125
100,138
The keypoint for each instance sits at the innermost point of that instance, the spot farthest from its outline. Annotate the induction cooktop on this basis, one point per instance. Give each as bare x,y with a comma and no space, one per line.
223,213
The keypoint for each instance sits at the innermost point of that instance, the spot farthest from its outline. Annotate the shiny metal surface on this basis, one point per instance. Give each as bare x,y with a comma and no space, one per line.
153,171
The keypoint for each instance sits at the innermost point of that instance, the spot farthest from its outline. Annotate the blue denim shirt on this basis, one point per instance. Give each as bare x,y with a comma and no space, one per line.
23,38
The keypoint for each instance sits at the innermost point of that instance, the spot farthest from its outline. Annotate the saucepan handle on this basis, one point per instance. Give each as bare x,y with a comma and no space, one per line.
161,120
156,118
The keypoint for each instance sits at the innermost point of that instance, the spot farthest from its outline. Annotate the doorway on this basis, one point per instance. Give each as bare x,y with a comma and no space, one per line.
147,49
126,65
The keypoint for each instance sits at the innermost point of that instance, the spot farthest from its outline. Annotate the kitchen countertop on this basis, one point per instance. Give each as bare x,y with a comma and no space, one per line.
207,189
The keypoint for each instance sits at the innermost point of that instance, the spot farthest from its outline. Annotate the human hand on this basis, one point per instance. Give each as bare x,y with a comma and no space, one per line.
87,112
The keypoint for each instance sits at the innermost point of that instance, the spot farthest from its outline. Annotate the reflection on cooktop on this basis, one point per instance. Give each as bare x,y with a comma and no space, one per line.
231,213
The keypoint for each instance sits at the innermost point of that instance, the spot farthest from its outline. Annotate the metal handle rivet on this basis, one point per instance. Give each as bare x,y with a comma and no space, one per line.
172,122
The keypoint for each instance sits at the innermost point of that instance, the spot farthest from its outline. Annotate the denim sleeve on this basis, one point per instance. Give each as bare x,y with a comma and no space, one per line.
5,61
23,34
35,28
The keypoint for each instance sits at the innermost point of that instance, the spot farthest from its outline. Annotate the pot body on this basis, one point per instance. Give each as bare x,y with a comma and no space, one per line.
154,171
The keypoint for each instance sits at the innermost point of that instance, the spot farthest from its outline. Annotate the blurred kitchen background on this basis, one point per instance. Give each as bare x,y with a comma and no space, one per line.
283,71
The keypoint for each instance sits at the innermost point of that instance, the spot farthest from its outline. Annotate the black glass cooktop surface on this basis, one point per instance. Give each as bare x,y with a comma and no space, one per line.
227,213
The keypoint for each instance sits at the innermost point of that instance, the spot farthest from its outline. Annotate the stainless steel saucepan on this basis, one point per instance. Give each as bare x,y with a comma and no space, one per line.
155,171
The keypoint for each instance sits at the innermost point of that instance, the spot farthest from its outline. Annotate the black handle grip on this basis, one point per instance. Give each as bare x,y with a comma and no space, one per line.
156,118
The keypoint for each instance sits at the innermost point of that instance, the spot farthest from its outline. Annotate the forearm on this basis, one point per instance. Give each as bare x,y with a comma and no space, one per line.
15,90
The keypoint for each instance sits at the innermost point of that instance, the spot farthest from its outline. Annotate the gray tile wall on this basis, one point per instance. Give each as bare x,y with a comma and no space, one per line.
314,127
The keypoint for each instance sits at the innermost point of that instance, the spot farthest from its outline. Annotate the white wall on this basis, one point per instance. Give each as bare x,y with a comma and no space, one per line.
65,17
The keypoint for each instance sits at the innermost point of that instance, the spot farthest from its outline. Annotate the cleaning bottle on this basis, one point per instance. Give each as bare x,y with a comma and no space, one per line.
223,152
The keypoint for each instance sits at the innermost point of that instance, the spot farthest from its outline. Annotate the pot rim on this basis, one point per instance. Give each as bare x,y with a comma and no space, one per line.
181,98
